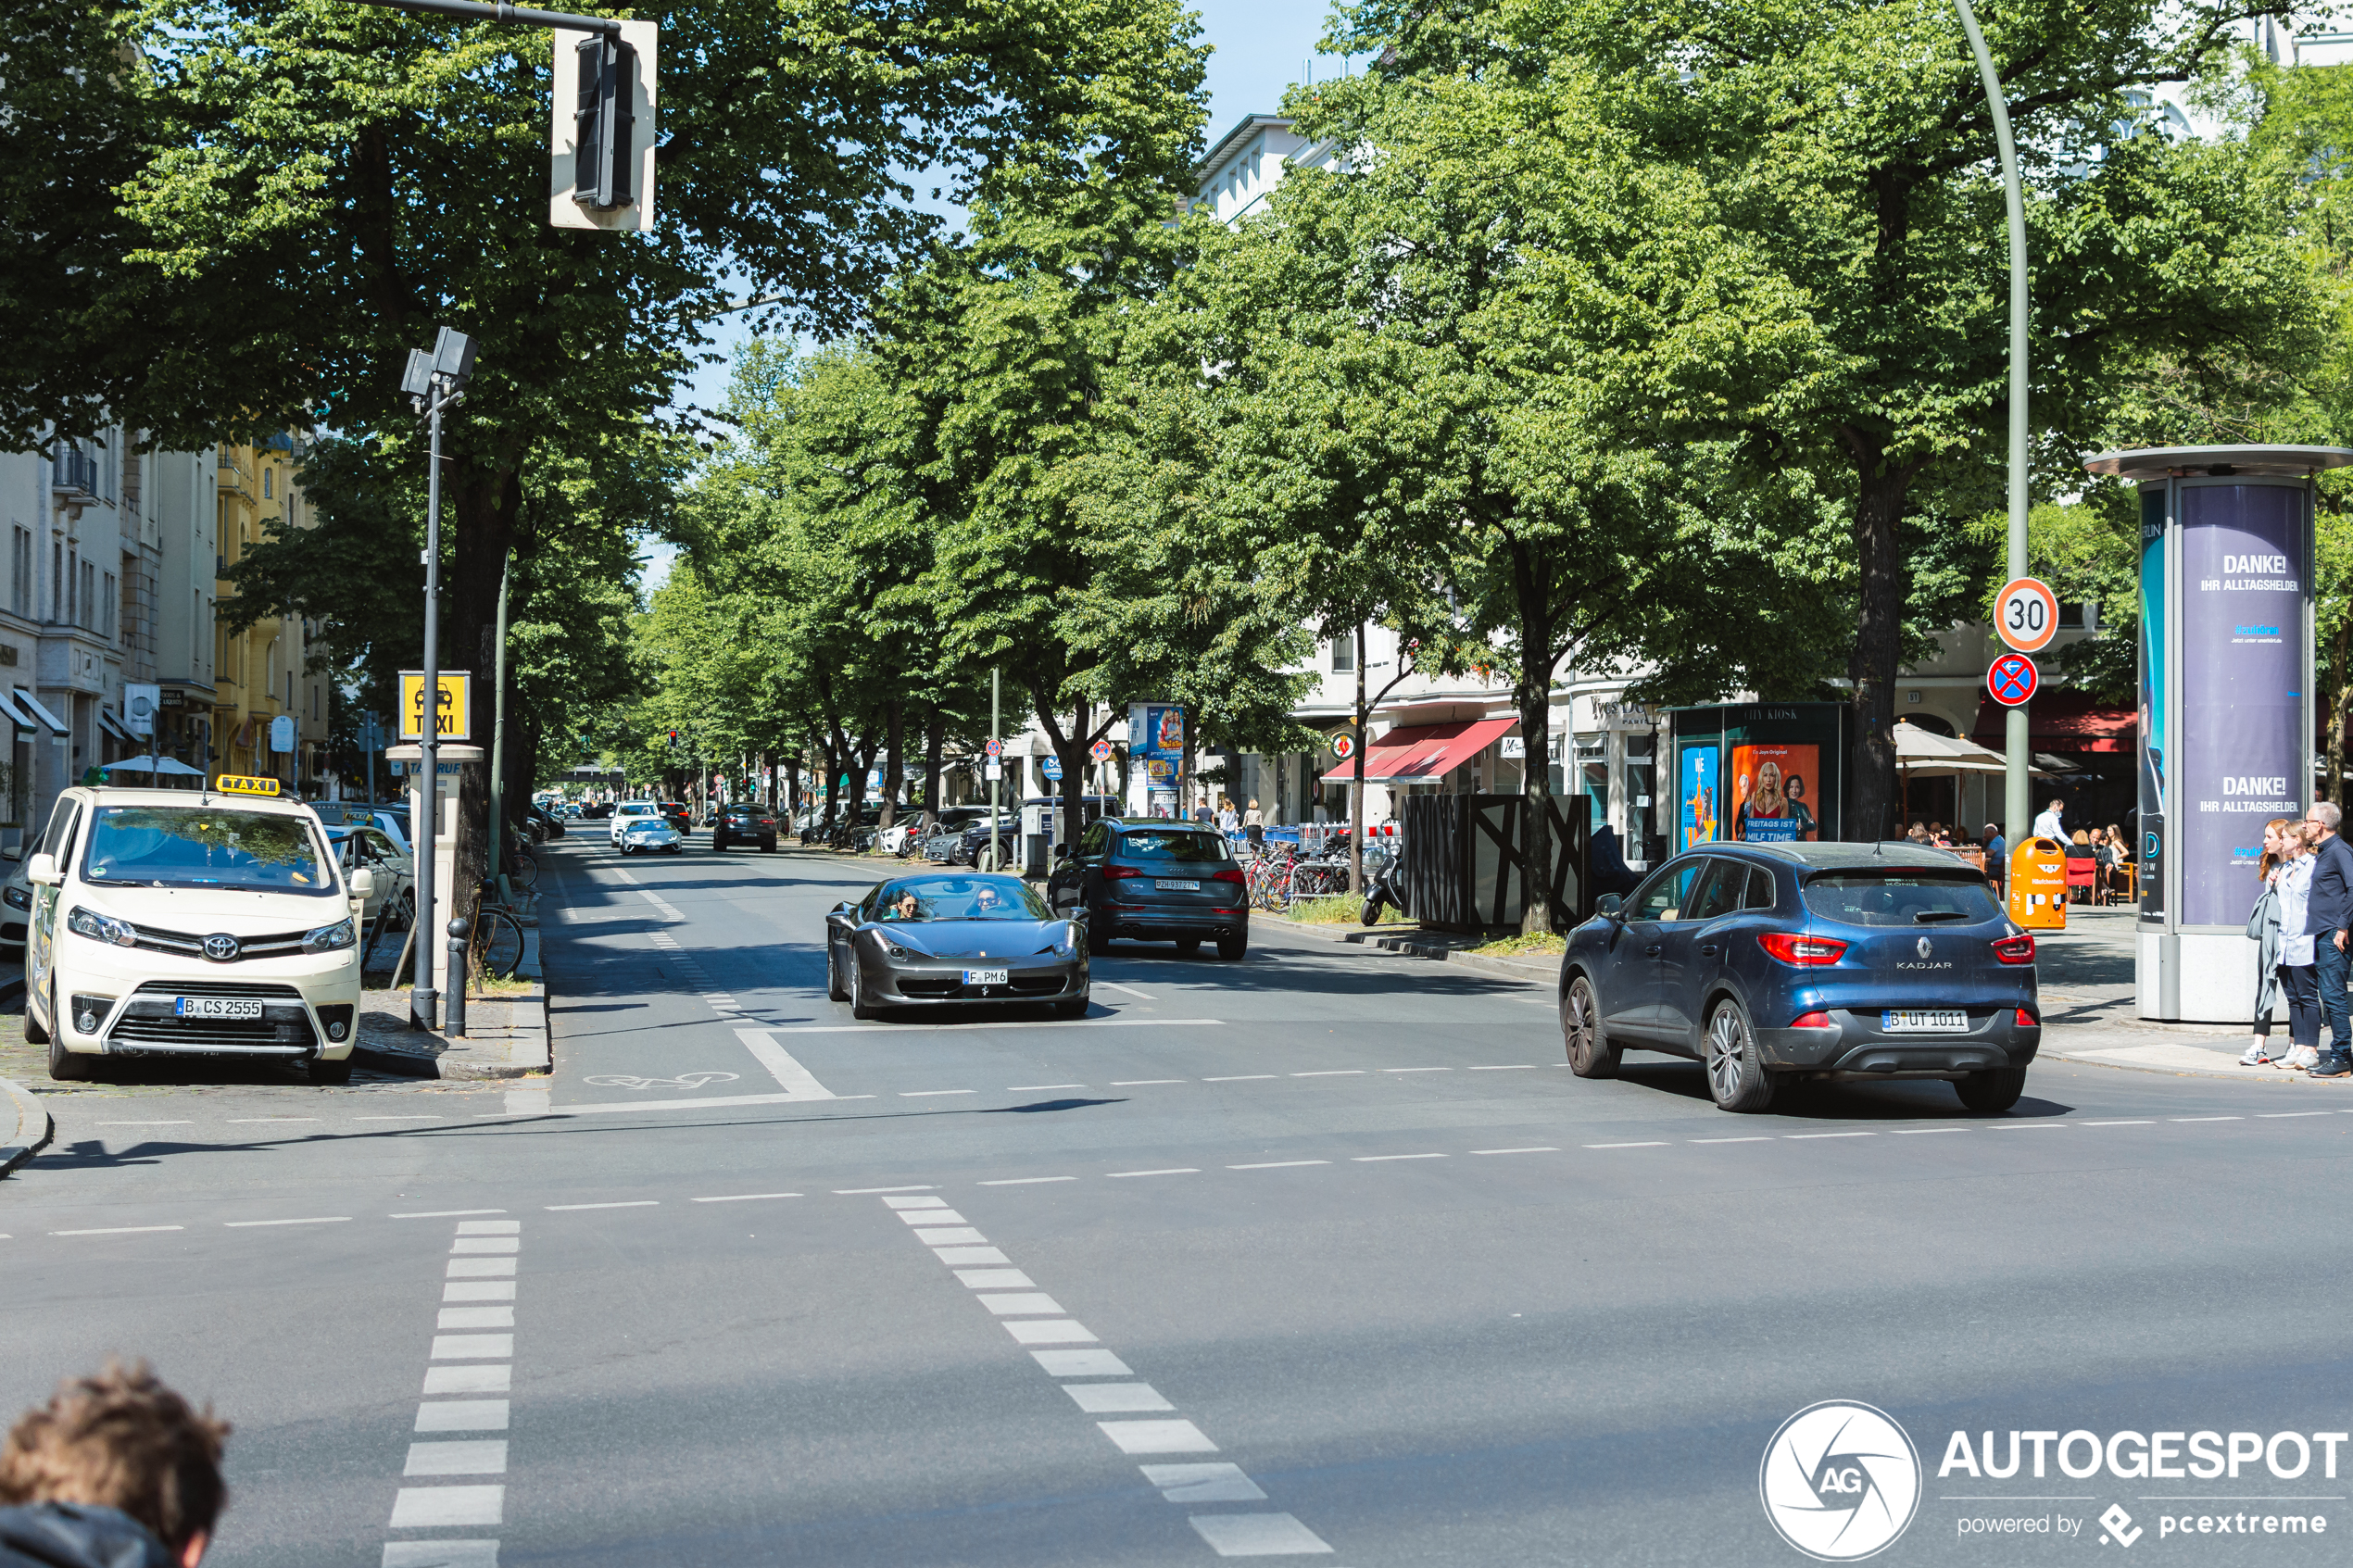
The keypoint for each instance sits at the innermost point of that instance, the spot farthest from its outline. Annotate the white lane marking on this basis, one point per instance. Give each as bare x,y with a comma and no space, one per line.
1039,1023
935,1216
1048,1331
1908,1132
1376,1158
1754,1138
2205,1119
792,1077
479,1290
1117,1399
477,1456
1023,1304
995,1279
1156,1437
1256,1535
905,1202
120,1230
1026,1181
953,1255
472,1348
247,1120
1655,1143
1829,1135
631,1203
1418,1070
1027,1089
447,1214
485,1243
1172,1171
444,1553
1508,1067
426,1508
1240,1078
1139,1083
322,1219
476,1317
669,911
2031,1127
858,1192
933,1094
463,1415
1081,1363
743,1196
468,1379
1277,1164
1540,1148
2277,1115
1126,990
1214,1481
479,1267
952,1236
2141,1124
1332,1072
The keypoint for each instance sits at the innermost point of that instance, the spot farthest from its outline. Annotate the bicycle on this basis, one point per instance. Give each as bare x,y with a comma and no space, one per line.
498,947
522,866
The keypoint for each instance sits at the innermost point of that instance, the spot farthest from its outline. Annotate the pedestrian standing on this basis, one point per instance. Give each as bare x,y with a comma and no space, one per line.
2048,826
115,1470
2298,976
2331,912
2264,925
1997,856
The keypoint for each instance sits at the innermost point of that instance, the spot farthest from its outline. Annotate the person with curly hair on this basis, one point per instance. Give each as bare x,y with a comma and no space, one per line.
115,1470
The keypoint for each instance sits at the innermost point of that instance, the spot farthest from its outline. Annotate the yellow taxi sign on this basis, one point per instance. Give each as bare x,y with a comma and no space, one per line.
453,716
236,783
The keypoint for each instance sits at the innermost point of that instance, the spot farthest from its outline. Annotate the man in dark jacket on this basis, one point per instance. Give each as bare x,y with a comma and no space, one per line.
117,1471
2330,913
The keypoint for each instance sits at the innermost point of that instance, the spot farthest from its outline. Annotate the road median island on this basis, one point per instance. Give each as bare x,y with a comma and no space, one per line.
25,1126
506,1035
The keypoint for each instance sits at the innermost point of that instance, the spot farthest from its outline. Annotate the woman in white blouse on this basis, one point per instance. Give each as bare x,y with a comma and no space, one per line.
2298,974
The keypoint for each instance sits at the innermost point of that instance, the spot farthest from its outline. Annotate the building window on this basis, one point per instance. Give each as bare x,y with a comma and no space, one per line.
21,572
267,475
1343,653
56,580
85,606
107,604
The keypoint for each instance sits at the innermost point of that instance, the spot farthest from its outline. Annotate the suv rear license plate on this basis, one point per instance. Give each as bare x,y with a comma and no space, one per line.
1950,1022
987,976
215,1007
1171,885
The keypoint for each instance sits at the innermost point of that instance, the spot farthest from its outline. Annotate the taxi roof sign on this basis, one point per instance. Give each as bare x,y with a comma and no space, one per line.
235,783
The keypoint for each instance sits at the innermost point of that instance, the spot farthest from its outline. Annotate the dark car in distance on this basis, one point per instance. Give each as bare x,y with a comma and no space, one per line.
675,812
739,822
954,937
1153,878
1768,962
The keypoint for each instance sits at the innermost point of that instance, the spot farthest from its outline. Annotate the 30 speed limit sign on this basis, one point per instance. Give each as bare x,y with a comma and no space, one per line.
2026,614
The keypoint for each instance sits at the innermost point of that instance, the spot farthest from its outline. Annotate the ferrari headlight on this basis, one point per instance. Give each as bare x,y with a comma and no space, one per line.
330,938
1068,941
101,928
898,952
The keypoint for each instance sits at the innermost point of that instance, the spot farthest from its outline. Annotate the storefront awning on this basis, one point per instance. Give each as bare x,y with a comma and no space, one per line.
1420,753
2061,721
32,705
113,726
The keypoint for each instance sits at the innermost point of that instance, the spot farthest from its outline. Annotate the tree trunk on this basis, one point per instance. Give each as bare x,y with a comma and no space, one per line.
2341,744
1533,698
1356,789
935,744
894,771
1880,593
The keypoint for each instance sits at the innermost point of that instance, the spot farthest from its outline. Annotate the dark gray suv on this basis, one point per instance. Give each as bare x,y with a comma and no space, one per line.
1156,879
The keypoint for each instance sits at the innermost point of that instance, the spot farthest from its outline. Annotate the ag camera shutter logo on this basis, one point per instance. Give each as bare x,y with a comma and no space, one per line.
1840,1481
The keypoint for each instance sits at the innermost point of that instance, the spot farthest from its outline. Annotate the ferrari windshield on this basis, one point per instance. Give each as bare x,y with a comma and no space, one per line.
918,898
205,846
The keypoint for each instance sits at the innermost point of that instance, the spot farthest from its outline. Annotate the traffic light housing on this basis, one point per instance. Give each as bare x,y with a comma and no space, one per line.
602,121
601,136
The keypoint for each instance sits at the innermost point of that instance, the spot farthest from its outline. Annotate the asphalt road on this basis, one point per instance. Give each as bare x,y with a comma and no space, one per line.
1322,1255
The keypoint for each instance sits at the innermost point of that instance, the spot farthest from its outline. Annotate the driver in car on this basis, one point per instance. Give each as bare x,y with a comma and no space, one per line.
988,903
906,907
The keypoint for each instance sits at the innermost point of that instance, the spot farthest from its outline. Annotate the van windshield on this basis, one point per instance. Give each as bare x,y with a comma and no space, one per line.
205,846
1911,898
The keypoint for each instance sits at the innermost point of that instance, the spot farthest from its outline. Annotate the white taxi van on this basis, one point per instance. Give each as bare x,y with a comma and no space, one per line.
192,922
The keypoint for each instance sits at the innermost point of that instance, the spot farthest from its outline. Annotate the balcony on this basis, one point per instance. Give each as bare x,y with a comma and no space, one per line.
74,473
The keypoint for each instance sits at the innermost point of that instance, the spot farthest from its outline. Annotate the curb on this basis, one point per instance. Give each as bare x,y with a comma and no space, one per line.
529,1046
30,1125
1409,946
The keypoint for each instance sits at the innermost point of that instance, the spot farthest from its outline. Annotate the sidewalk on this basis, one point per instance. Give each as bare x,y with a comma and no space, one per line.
1413,941
505,1035
25,1127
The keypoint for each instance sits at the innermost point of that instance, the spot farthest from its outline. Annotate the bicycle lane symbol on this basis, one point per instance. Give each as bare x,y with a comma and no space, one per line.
684,1081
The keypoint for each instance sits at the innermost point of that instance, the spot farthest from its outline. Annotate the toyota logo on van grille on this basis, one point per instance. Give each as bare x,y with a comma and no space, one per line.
220,950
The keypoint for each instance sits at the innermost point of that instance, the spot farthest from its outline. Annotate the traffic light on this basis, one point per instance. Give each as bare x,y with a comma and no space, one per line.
602,121
601,148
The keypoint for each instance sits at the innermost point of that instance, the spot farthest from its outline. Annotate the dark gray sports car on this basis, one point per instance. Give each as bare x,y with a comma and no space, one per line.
945,937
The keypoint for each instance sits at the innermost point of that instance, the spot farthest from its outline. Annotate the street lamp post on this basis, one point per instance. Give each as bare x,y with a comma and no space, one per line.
2015,807
434,381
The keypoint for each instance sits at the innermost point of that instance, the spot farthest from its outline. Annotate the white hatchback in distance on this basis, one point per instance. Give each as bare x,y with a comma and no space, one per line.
167,923
630,811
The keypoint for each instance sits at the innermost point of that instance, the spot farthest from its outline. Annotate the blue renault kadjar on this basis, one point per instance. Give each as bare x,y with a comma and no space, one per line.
1842,962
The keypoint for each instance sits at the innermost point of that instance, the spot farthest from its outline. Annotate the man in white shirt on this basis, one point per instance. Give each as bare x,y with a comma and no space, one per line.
2047,824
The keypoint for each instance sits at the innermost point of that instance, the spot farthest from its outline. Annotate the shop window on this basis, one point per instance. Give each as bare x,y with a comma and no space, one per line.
1343,654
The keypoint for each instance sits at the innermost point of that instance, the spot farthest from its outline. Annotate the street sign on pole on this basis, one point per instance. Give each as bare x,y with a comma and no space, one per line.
995,748
1343,745
453,718
1099,751
2026,614
2012,679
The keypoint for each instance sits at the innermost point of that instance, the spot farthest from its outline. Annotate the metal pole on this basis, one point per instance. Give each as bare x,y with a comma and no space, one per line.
423,1001
456,971
471,11
997,784
2015,805
498,737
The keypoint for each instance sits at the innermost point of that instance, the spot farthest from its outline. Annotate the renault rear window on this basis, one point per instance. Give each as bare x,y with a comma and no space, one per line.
1906,897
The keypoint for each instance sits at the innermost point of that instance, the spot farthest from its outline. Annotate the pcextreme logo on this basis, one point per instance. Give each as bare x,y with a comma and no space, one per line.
1840,1481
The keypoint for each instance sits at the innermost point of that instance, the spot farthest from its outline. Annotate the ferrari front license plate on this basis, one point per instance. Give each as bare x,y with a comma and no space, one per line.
1952,1022
215,1007
1167,884
986,976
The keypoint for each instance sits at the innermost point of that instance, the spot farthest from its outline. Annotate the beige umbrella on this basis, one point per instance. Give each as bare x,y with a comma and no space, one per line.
1933,756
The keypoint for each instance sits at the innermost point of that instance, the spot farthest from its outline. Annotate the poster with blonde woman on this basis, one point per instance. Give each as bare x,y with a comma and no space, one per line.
1769,785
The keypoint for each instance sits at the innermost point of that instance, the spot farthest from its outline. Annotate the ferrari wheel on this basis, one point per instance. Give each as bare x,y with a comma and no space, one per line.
858,1006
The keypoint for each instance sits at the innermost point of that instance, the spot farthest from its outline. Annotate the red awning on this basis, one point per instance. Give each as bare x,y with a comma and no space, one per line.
1417,753
2061,721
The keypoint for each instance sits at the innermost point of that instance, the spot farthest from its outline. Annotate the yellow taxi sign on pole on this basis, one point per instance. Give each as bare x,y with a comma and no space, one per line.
454,715
235,783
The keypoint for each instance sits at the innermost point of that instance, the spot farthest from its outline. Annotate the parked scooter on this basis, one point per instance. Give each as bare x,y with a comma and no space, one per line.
1387,886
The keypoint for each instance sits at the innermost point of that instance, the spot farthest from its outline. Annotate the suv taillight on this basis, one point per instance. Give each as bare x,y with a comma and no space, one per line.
1231,874
1807,952
2015,949
1113,874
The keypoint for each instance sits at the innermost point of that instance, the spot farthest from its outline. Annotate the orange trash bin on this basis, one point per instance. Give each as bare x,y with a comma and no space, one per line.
2038,885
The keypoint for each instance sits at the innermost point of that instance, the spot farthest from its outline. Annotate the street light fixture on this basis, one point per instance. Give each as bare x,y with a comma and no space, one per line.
434,381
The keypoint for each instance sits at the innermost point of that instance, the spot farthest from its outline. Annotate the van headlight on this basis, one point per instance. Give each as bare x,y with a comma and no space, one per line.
16,897
330,938
101,928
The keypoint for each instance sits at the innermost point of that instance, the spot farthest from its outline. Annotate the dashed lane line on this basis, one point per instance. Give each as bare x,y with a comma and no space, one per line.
316,1220
1172,1171
742,1196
